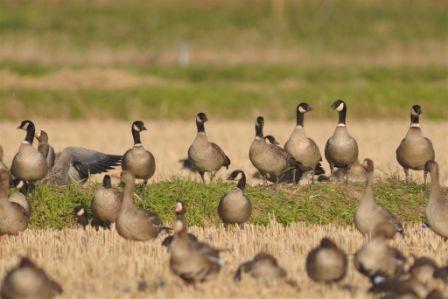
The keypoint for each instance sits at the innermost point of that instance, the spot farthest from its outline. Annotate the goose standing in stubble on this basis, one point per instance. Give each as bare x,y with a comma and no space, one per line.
268,158
415,149
28,281
327,262
369,215
28,164
341,149
235,207
135,223
107,201
13,216
302,148
193,261
137,160
437,207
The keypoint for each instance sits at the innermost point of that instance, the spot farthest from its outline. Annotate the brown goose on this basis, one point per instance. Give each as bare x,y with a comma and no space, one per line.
106,203
327,262
235,207
341,149
13,217
137,160
437,207
46,149
415,149
423,269
206,156
135,223
302,148
268,158
28,281
28,164
264,267
191,260
378,261
369,215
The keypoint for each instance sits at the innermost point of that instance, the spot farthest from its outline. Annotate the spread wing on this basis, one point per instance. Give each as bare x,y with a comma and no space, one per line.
91,161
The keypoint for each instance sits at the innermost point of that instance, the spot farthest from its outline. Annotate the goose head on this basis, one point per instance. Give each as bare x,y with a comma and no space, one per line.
242,178
42,137
341,107
271,139
368,165
303,108
259,123
201,117
28,126
138,126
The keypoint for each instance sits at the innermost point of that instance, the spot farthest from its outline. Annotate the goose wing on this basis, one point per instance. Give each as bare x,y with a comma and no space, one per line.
90,161
221,152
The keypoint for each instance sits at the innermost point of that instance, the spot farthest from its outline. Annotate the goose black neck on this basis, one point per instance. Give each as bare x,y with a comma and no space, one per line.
136,136
300,118
415,119
107,183
200,125
342,115
242,182
30,132
259,130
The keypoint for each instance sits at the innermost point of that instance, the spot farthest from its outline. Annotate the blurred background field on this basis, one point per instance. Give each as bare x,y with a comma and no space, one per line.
232,59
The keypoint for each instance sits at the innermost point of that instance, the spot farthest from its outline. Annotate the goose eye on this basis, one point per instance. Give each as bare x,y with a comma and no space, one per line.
301,110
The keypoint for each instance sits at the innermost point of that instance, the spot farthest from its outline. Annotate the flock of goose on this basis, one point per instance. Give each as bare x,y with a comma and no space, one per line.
390,272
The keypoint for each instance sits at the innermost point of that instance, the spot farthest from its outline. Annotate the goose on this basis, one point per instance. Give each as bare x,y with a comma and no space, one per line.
268,158
81,215
341,149
204,155
327,262
369,215
264,267
76,164
378,261
135,223
13,217
193,261
423,269
235,207
401,288
437,207
19,197
137,160
302,148
107,202
415,149
27,280
28,164
45,149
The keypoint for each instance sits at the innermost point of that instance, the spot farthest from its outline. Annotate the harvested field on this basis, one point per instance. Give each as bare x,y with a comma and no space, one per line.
169,141
100,264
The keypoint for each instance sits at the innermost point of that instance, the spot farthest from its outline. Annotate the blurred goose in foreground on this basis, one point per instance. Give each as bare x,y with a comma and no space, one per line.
268,158
369,215
401,288
415,149
28,164
235,207
13,216
107,201
135,223
423,269
264,267
28,281
302,148
442,273
191,260
341,149
46,149
327,262
204,155
437,207
180,216
137,160
76,164
377,260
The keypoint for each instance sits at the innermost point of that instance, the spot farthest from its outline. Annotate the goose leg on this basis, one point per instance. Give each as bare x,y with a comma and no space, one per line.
202,176
331,168
212,176
425,176
265,180
346,175
241,225
294,176
406,174
145,183
312,176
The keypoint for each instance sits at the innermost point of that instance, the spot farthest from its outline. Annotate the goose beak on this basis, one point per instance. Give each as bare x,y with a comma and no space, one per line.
144,128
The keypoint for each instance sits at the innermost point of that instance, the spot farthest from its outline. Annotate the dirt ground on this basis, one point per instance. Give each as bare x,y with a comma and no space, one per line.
169,140
100,264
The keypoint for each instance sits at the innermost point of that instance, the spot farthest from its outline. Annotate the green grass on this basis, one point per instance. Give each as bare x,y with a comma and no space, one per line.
321,203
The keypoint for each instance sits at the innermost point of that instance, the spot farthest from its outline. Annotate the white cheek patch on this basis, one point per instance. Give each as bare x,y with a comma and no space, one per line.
198,119
340,107
25,127
301,110
413,112
80,212
20,185
135,128
178,207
